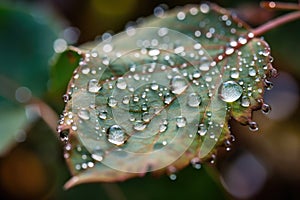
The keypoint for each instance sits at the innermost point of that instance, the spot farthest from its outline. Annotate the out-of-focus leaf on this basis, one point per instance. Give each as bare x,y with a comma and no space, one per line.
26,46
12,122
158,97
26,40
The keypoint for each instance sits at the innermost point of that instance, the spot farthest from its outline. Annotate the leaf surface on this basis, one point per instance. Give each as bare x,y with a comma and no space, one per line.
159,96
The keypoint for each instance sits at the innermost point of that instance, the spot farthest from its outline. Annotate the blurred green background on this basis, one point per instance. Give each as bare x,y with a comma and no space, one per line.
260,165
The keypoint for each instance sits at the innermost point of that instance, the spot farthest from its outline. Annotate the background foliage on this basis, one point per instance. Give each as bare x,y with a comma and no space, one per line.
261,165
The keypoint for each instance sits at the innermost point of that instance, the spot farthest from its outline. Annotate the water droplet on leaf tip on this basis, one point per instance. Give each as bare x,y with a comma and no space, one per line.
64,135
266,108
268,84
253,126
66,97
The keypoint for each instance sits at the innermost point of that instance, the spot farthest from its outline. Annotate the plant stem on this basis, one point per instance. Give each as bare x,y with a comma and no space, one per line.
275,23
279,5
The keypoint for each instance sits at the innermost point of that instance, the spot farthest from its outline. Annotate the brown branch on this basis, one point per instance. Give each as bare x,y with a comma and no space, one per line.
279,5
275,23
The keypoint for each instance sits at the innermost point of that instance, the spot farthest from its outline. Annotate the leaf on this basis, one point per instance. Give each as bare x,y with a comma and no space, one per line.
159,96
26,40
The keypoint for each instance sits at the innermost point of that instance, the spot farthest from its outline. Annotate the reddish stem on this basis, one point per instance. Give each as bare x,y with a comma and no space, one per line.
275,23
279,5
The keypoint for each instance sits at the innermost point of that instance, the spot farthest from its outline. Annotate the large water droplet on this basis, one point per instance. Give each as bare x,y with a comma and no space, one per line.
93,86
146,117
202,130
178,84
194,100
83,114
121,83
112,102
116,135
180,121
230,91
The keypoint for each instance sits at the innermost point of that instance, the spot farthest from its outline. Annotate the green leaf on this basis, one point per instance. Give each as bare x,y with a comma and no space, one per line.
159,96
12,122
26,46
26,39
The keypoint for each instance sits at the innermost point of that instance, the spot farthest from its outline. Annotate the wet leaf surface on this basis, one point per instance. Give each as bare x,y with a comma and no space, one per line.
159,95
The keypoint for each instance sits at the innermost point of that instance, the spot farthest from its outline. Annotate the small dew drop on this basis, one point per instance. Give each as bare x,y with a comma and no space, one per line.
83,114
146,117
229,51
125,100
64,135
202,130
154,86
103,114
93,86
230,91
139,126
172,177
234,74
194,100
116,135
252,72
167,98
195,162
181,16
98,155
245,101
180,121
112,102
121,83
66,97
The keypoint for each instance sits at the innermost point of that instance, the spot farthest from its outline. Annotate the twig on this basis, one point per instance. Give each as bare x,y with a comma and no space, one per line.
279,5
275,23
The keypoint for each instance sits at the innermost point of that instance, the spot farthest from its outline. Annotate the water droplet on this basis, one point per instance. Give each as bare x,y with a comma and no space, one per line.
167,98
64,135
154,86
253,126
268,84
178,84
116,135
180,121
125,100
146,117
103,114
194,100
112,102
230,91
83,114
242,40
196,163
98,155
205,63
139,125
172,177
180,16
144,107
234,74
229,51
121,83
154,52
266,108
245,101
93,86
252,72
66,97
204,8
202,130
